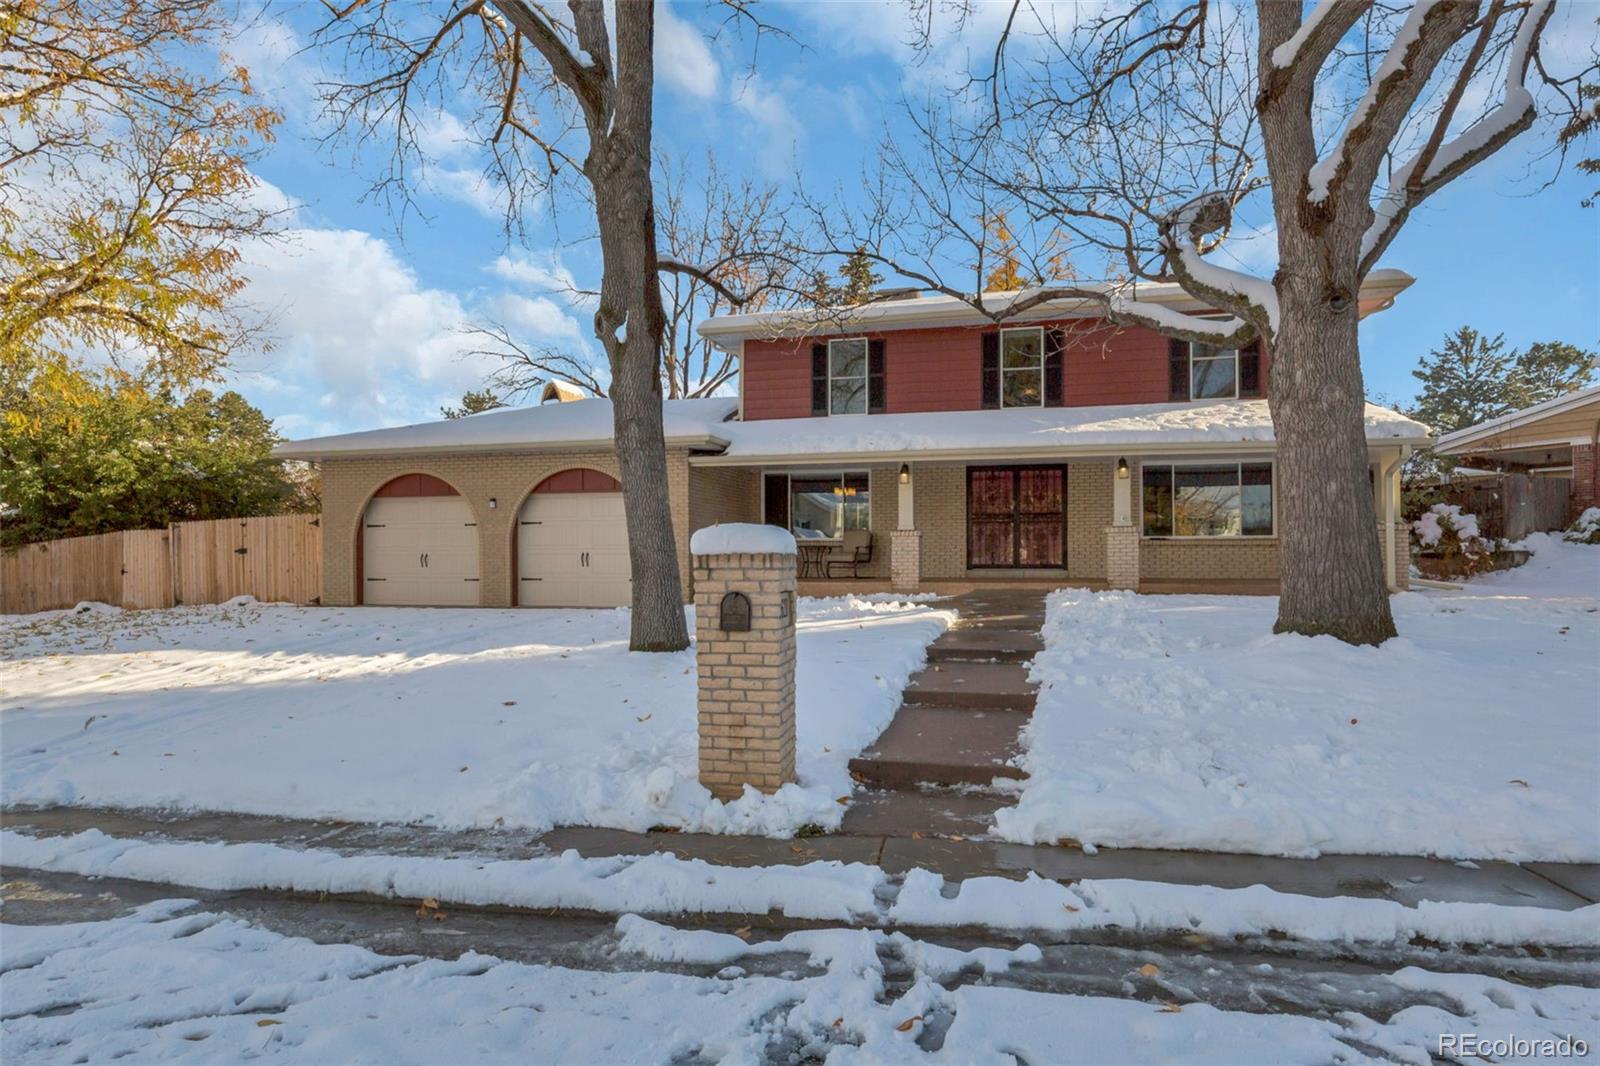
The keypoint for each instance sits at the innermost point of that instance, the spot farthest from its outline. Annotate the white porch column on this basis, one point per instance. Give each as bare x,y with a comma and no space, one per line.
1122,536
905,543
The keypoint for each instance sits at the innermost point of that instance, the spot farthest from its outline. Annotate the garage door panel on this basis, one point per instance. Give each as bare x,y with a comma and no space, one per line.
420,551
572,551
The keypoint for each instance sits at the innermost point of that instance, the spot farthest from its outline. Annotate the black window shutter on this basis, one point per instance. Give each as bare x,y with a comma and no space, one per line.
1055,343
819,380
1177,370
991,370
1250,370
877,392
777,502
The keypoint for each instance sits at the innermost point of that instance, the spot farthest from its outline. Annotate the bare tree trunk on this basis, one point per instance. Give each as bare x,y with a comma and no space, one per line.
629,324
1332,573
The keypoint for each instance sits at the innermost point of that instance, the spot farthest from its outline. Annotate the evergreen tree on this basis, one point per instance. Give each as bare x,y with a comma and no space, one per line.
1549,369
474,402
1464,382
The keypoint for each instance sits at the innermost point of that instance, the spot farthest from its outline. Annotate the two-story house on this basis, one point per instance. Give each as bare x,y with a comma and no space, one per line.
912,442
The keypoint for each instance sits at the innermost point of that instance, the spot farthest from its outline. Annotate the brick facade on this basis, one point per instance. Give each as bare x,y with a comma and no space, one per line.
1585,489
905,559
348,484
1122,557
745,679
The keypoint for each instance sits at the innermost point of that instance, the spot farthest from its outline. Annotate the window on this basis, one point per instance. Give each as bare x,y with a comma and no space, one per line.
1212,500
847,377
823,506
1022,368
1213,372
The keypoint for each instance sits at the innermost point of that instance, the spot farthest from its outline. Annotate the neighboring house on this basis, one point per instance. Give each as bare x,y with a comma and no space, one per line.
1556,439
1056,448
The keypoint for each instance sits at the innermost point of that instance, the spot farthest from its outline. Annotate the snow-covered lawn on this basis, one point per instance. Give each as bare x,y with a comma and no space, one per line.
168,984
1182,722
454,718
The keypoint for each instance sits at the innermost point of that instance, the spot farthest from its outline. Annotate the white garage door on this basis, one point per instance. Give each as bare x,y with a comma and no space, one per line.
572,551
420,551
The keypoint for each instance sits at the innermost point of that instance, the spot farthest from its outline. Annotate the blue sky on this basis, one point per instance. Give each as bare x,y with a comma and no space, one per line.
366,310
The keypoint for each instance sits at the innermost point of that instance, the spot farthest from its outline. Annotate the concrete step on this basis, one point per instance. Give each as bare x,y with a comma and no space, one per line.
932,812
942,746
973,644
998,686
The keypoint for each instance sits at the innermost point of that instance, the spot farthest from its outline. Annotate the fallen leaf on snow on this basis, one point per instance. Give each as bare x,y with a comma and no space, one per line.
743,932
1149,969
843,801
264,1022
1517,781
647,717
508,703
1170,1008
1070,907
905,1026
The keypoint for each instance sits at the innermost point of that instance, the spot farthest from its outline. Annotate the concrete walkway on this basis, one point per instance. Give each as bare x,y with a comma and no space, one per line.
1407,880
932,771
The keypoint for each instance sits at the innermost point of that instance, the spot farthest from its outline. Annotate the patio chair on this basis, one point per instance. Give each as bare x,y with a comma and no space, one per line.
853,552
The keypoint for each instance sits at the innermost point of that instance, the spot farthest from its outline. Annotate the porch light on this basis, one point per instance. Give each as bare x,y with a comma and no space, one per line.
905,473
1122,469
493,503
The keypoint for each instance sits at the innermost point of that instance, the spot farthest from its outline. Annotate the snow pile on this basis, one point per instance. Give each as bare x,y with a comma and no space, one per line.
665,884
1183,722
167,983
733,538
1586,530
652,884
457,719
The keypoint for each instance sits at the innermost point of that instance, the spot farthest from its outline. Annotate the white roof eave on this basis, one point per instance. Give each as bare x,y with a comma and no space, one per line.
1454,442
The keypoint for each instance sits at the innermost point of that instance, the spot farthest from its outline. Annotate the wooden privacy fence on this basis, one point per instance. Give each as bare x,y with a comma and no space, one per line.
1514,505
274,559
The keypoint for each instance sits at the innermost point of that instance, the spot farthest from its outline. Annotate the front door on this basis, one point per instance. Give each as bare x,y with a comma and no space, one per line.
1016,517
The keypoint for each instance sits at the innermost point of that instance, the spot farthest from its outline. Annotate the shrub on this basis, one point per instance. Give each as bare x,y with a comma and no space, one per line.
1444,531
1586,530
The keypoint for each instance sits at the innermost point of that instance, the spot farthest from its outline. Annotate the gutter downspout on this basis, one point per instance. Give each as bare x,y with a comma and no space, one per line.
1389,576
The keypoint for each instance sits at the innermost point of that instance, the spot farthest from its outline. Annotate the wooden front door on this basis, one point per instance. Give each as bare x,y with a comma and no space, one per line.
1016,517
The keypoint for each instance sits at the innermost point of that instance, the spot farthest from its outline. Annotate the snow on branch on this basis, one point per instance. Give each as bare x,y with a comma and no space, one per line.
1287,53
1321,174
1249,297
1439,162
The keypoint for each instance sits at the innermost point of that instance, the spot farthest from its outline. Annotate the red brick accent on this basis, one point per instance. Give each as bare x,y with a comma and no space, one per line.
580,479
1585,479
417,485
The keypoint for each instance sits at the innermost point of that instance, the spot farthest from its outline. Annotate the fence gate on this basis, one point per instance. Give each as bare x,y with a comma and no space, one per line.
1533,504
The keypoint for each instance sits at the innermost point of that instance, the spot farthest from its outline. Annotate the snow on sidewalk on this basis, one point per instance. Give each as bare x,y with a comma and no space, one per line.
166,984
442,717
1183,722
834,891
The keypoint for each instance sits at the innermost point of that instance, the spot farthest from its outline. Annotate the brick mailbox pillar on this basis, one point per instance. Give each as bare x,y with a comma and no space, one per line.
1122,536
744,606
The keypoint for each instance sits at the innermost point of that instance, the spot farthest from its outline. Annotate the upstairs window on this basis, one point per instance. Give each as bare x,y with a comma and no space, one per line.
1022,368
1213,372
1209,500
847,377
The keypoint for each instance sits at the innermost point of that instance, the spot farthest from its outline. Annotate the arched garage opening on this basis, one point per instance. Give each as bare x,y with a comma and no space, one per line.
418,546
572,543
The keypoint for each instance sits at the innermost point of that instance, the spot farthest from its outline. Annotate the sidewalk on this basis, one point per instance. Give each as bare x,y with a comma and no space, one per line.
1404,879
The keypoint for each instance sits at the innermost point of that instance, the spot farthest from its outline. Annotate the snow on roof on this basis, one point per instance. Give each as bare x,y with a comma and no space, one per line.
1456,439
734,538
1046,431
548,426
1378,290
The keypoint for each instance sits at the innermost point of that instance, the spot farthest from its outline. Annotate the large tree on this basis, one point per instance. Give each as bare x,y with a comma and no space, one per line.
125,190
1134,139
562,101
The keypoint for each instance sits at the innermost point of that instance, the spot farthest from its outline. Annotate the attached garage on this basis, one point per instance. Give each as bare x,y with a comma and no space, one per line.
419,546
572,543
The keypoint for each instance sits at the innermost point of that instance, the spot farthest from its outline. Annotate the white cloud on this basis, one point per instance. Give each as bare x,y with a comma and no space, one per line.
777,127
683,59
549,276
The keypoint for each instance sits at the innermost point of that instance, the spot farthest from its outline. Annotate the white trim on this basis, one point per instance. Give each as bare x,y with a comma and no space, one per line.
1472,434
866,375
1211,537
1021,369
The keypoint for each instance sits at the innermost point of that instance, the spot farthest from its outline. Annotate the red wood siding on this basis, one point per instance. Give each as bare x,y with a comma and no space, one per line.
579,479
417,485
939,369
